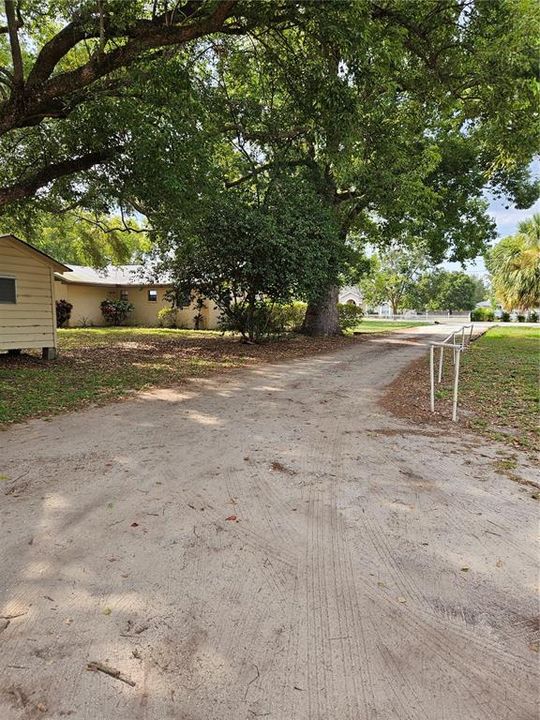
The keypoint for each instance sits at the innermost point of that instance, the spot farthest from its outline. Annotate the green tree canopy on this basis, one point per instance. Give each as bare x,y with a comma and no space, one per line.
394,274
444,290
247,251
390,108
84,239
399,112
514,264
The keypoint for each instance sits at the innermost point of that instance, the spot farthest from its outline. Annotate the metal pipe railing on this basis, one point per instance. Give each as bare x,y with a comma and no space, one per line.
457,349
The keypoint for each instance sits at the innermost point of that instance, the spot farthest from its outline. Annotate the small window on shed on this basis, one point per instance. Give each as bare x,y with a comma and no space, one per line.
124,294
8,291
152,295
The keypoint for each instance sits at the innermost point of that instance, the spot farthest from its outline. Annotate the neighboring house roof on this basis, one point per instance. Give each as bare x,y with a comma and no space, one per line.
112,275
17,242
350,292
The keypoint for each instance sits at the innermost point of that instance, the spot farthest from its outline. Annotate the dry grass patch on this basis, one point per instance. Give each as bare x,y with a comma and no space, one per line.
98,365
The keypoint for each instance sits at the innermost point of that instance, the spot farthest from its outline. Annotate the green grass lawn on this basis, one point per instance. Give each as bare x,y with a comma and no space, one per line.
96,365
367,326
72,338
499,384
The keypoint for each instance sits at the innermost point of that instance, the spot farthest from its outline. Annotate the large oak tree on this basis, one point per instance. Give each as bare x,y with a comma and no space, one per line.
403,112
399,111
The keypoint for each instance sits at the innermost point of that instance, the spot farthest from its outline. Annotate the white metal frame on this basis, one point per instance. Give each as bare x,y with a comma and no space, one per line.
457,348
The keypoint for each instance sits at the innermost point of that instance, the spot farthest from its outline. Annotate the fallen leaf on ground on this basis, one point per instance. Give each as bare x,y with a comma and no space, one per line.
231,518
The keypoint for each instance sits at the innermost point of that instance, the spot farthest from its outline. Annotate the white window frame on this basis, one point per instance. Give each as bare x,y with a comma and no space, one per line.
148,295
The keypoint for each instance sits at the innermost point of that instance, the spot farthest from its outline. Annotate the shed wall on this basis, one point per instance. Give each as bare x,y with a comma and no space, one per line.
31,321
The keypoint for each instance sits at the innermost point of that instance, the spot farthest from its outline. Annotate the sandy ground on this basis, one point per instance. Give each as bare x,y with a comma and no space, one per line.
271,544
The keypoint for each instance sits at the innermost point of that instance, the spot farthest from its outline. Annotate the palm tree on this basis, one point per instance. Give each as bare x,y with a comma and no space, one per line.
514,264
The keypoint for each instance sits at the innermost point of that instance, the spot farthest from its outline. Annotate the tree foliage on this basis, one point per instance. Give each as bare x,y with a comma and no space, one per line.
444,290
394,274
397,113
390,108
514,264
248,252
81,238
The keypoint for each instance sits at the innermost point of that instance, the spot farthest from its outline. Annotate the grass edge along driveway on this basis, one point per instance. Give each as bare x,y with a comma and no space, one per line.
99,365
499,384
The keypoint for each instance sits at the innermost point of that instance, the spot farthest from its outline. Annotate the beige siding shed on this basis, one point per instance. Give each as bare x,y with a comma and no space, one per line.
27,298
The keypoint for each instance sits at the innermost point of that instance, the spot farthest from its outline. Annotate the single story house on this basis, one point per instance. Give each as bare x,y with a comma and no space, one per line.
27,297
85,288
32,281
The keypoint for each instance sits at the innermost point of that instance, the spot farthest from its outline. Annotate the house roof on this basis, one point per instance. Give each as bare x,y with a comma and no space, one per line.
14,240
350,291
112,275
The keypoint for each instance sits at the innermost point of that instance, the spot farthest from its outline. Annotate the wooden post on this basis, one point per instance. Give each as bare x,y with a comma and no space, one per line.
48,353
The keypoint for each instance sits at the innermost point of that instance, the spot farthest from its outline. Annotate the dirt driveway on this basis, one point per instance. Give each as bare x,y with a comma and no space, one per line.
267,544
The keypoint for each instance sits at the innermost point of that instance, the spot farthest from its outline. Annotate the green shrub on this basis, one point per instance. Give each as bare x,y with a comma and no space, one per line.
521,318
269,319
533,316
115,312
63,312
482,314
349,315
256,322
168,317
289,317
505,316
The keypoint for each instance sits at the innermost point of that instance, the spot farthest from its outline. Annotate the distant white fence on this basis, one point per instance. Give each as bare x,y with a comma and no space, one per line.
463,335
427,316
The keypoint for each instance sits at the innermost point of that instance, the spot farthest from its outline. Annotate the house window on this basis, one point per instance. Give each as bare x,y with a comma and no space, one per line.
152,296
8,291
124,294
184,299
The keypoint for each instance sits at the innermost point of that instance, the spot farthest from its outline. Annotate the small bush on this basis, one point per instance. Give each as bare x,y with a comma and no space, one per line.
349,315
63,312
168,318
115,312
289,317
533,317
483,314
521,318
266,321
505,316
198,318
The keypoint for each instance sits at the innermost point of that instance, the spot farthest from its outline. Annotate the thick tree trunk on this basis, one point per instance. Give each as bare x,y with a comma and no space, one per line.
322,316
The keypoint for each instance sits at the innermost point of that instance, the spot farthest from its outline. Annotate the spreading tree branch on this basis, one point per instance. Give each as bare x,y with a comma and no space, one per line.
30,185
16,56
43,91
